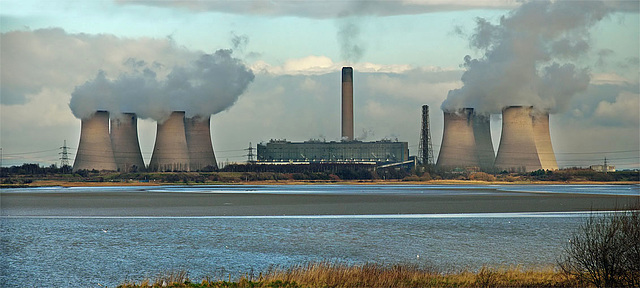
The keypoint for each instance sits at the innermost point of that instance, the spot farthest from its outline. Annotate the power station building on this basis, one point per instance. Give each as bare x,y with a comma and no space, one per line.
347,151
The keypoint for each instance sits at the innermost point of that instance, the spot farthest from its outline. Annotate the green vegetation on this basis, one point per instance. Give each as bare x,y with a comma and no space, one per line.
26,174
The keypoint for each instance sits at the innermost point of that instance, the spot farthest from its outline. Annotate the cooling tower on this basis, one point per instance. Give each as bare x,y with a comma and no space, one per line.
543,141
124,140
517,151
198,134
94,149
484,144
170,153
347,103
458,149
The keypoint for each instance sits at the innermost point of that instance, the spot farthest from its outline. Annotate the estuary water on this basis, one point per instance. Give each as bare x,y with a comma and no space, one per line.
73,247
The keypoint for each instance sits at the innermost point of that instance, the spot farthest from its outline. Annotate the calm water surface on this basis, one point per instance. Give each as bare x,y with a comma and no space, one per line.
74,251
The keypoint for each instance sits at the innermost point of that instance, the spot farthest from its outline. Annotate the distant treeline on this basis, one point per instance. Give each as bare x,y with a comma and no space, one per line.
27,173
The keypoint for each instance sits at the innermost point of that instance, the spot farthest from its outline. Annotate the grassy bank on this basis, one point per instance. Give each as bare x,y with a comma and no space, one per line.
374,275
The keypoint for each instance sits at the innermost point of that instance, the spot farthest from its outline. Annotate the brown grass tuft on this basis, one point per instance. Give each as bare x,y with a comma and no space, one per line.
330,274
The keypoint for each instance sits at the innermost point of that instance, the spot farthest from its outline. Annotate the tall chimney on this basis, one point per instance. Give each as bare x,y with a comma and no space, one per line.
94,149
170,153
347,103
124,140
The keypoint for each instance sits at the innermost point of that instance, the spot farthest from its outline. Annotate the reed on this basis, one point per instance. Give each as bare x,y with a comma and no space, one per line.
331,274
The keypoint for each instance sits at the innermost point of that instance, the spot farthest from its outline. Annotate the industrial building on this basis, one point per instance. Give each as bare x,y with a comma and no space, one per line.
525,143
346,151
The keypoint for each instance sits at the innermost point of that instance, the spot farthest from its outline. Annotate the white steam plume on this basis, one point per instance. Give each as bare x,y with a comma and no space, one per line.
208,85
527,58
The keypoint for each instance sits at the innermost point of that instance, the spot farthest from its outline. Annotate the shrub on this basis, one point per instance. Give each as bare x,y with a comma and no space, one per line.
605,251
481,176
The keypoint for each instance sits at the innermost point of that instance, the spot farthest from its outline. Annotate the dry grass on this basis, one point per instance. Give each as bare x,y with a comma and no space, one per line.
326,274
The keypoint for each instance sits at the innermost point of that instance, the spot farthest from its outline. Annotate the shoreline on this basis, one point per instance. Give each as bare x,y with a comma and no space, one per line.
59,183
223,201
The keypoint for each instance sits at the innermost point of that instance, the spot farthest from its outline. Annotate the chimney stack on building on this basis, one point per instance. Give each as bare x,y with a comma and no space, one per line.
347,103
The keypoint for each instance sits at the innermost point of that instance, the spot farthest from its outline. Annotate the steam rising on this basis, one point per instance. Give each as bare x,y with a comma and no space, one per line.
210,84
527,58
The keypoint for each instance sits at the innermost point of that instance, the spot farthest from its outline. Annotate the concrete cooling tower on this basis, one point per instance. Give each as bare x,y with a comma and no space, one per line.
466,141
347,103
94,149
170,153
484,145
525,144
198,134
543,141
124,140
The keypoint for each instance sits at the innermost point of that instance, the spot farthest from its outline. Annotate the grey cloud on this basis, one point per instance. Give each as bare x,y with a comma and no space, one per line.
603,54
322,9
583,107
59,61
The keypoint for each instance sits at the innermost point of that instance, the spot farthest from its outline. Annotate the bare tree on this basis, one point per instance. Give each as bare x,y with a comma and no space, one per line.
605,251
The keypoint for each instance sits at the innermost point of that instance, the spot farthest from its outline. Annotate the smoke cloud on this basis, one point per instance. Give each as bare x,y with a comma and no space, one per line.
527,58
210,84
351,47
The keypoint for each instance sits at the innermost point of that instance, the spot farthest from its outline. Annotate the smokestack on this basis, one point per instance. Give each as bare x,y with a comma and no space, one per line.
198,134
466,141
517,151
170,153
124,140
543,141
94,149
347,103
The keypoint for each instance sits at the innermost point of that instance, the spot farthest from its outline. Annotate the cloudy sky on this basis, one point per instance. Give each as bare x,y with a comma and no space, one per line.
271,69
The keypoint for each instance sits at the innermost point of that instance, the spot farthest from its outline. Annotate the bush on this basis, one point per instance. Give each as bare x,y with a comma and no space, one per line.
606,251
481,176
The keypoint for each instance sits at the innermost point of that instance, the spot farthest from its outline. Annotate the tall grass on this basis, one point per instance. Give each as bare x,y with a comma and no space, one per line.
331,274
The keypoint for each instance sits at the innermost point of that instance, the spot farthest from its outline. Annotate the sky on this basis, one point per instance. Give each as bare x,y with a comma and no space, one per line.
271,70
